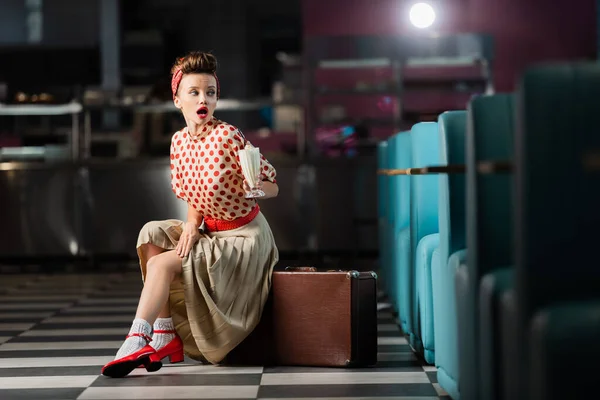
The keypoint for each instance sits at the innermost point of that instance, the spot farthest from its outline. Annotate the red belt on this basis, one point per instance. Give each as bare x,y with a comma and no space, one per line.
215,225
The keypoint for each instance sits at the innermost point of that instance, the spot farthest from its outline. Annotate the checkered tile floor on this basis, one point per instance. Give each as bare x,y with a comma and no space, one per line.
56,332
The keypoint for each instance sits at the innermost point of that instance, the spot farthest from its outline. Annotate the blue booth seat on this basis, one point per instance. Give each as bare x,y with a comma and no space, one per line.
422,240
489,138
382,206
401,207
557,220
451,252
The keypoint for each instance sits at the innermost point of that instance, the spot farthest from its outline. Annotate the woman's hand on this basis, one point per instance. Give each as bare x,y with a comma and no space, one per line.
248,188
189,237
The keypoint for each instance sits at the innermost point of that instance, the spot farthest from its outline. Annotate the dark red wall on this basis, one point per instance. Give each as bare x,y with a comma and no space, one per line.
524,31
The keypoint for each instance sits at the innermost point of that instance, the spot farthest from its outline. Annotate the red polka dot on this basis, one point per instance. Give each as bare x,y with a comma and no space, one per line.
216,187
222,166
216,173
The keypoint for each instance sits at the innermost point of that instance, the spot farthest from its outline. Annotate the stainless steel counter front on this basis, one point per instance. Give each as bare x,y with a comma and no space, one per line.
97,208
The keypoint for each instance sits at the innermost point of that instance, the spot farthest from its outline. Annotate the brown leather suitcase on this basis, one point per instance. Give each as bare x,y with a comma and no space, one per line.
324,319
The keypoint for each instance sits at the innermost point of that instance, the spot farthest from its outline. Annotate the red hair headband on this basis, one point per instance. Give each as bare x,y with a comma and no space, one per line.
176,80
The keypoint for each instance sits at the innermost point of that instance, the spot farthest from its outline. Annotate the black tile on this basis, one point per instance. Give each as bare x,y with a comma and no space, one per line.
40,394
85,325
27,300
432,375
180,380
50,371
393,348
32,320
82,312
387,321
381,366
377,390
57,353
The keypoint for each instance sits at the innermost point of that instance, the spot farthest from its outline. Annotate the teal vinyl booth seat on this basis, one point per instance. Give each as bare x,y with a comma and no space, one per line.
423,240
489,138
382,204
390,234
402,252
451,252
550,328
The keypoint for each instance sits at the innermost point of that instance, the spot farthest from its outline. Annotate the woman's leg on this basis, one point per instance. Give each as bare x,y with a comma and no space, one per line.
160,272
151,250
161,269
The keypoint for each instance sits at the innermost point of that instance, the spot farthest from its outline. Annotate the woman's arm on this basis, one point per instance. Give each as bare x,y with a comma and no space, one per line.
271,190
193,216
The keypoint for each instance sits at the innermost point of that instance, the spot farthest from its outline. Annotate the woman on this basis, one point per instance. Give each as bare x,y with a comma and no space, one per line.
203,291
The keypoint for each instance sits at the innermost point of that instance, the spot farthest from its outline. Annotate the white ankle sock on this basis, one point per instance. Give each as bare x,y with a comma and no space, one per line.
135,343
160,340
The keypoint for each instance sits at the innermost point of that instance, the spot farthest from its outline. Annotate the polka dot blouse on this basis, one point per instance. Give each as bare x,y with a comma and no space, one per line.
206,172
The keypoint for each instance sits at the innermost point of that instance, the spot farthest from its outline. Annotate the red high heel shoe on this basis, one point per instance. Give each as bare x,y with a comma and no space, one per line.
123,366
173,350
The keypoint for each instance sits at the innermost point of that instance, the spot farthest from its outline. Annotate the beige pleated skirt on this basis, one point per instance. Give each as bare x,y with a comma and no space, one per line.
219,297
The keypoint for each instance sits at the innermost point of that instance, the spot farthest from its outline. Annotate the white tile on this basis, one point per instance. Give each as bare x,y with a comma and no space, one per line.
55,362
16,326
5,338
47,297
79,319
392,340
344,378
111,300
179,369
439,390
25,315
33,306
61,345
47,382
170,392
76,332
388,328
429,368
383,306
107,309
385,314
